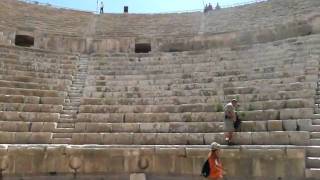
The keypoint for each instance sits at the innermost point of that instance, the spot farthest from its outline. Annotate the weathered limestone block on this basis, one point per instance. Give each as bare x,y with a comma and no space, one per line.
22,126
52,100
98,127
56,159
23,137
260,138
259,115
8,126
171,139
247,126
243,138
290,125
41,138
274,125
11,98
300,103
125,127
301,113
117,138
304,124
78,138
299,138
93,138
154,127
144,138
147,117
214,137
207,117
195,139
7,137
178,127
31,99
279,138
170,151
80,127
259,126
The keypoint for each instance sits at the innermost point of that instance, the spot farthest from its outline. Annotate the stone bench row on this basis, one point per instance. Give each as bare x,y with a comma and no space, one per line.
35,74
21,107
198,67
25,137
29,116
204,57
222,76
10,126
257,115
242,138
32,92
257,60
31,99
37,69
28,85
30,54
168,115
176,84
38,63
192,127
203,92
198,77
58,84
213,71
214,101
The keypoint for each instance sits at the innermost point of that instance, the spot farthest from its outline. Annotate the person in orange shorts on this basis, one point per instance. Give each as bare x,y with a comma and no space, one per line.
216,168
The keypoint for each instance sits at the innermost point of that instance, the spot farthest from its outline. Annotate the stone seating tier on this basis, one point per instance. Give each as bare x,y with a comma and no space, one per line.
244,138
178,116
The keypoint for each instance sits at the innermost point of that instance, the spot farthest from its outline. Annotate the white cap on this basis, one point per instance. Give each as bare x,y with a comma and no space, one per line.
215,146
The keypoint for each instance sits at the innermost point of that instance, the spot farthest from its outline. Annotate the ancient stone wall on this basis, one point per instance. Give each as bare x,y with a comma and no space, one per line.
156,162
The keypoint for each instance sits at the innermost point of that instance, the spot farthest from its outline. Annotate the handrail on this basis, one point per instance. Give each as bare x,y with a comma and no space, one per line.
183,11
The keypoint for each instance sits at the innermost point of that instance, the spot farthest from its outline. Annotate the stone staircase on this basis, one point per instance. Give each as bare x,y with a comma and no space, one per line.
313,151
66,124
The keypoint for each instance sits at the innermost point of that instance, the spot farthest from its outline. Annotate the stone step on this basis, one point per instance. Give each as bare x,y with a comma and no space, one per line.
61,135
315,135
68,116
65,125
70,108
316,121
72,104
63,130
61,140
316,110
313,162
315,116
315,142
66,120
69,111
313,151
313,173
315,128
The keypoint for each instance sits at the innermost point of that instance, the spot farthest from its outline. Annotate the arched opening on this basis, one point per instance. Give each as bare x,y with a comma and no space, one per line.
24,40
143,48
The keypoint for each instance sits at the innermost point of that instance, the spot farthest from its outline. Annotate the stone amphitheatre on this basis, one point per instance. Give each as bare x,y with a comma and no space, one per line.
141,96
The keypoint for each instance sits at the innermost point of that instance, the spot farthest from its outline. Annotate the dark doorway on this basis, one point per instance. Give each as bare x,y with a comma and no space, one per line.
143,48
24,40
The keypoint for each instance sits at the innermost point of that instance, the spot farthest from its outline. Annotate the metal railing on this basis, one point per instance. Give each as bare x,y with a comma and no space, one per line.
183,11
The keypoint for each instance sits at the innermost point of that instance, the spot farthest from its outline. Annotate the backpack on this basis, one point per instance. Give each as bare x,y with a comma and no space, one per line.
205,172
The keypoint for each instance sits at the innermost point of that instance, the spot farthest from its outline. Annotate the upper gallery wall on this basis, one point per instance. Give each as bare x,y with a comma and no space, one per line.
84,32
